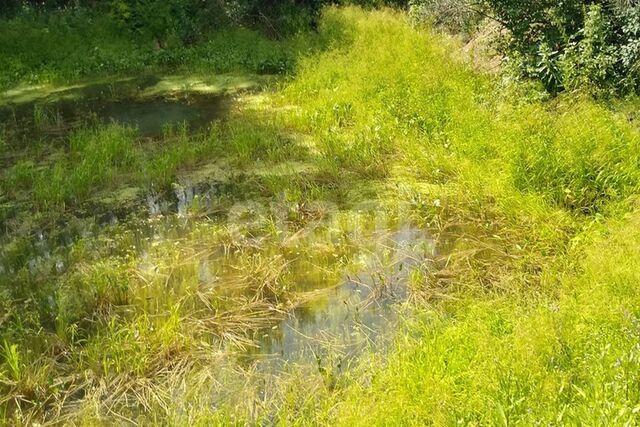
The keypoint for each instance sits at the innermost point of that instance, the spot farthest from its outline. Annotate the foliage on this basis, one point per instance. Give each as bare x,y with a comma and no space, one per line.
592,45
510,324
186,21
37,48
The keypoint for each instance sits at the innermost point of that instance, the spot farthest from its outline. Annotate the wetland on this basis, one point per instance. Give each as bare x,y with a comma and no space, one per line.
344,223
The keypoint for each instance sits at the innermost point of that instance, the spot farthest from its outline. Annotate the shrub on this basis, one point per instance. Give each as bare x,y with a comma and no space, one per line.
573,44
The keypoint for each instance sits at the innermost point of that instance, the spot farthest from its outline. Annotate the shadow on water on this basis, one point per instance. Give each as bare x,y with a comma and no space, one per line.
151,116
119,102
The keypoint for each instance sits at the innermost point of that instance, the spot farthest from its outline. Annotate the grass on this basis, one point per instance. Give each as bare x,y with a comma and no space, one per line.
528,318
569,359
106,157
38,48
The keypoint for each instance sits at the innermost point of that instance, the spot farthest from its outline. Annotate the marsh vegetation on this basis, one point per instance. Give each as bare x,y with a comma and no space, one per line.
338,222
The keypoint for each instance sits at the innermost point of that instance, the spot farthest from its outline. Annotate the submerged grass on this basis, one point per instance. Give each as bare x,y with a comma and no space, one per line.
528,319
134,316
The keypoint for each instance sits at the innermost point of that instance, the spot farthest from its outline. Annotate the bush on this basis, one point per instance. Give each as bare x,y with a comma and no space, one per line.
177,21
573,44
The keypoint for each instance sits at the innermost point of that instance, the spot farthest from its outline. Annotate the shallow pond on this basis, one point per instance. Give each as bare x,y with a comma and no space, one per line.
337,279
333,318
118,102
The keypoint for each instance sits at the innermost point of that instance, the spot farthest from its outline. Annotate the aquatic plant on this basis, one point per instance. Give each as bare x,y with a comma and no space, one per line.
152,318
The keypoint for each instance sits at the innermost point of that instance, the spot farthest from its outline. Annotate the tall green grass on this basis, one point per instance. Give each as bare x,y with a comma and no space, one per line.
93,158
566,360
103,158
74,44
529,318
401,94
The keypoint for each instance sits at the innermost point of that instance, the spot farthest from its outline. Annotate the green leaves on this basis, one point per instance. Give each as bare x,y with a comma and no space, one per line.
571,45
12,362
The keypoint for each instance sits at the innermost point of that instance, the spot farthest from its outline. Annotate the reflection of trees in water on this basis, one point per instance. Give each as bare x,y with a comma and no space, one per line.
61,111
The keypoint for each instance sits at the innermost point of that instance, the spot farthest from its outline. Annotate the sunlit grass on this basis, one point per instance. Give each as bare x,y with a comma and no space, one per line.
566,360
528,317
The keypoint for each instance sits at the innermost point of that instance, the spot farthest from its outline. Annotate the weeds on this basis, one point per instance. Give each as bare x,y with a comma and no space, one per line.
12,361
62,48
146,326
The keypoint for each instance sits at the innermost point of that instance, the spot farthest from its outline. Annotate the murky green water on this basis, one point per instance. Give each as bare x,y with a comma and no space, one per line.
345,284
119,102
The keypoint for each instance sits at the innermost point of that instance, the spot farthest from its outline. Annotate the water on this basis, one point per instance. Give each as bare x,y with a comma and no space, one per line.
152,116
333,317
339,317
360,312
329,320
118,102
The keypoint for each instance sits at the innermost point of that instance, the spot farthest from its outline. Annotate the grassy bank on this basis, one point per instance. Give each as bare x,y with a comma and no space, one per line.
38,48
536,323
516,335
528,318
566,359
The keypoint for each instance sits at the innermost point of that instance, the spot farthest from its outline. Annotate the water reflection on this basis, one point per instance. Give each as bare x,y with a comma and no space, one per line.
117,102
359,312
